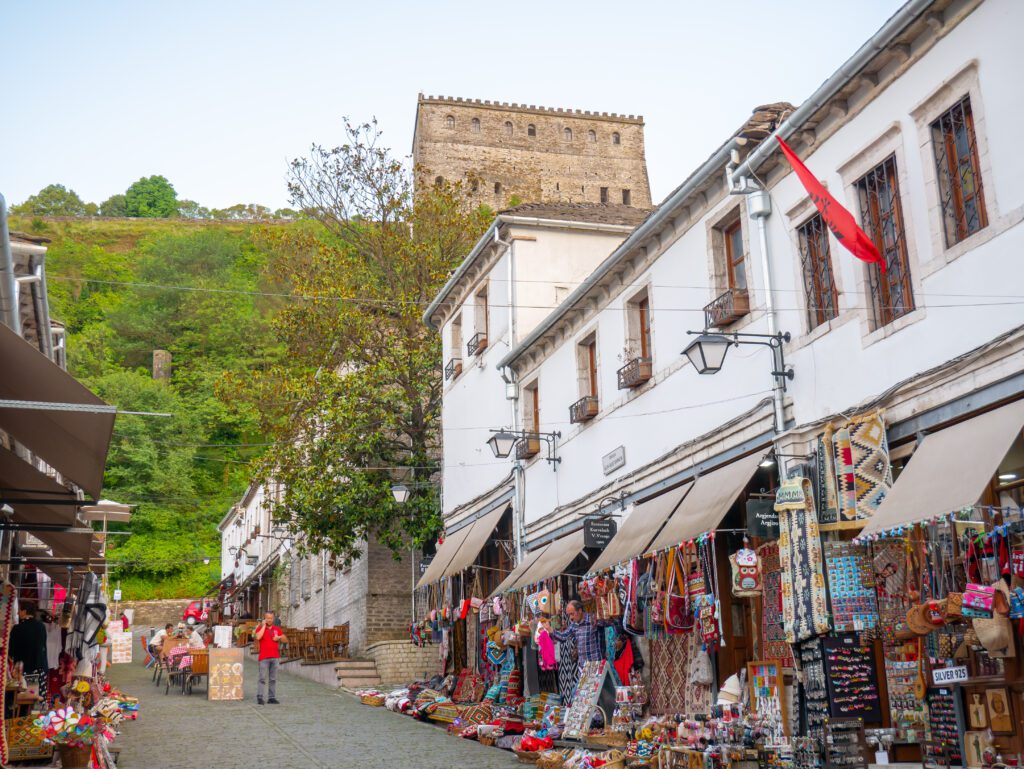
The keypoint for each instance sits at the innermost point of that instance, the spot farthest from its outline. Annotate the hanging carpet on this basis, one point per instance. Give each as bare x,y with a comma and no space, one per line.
7,594
825,487
671,690
773,631
862,471
804,601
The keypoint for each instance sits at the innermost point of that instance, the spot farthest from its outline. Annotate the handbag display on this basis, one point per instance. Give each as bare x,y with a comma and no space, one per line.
747,579
678,617
978,601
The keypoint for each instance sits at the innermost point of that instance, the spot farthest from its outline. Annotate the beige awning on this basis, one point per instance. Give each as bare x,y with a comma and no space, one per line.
554,560
68,545
21,481
528,560
707,503
444,555
72,442
950,469
481,531
642,525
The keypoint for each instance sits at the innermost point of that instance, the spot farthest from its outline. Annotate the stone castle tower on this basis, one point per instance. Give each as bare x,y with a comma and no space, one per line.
537,154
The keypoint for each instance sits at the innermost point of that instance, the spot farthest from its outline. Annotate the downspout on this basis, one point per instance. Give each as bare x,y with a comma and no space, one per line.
512,395
8,283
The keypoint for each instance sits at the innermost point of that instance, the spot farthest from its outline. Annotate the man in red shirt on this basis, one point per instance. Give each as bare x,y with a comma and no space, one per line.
268,636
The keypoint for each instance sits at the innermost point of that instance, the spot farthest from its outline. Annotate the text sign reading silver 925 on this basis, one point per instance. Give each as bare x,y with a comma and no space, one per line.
953,675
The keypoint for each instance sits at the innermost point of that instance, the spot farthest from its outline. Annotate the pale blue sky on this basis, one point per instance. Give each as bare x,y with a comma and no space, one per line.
217,96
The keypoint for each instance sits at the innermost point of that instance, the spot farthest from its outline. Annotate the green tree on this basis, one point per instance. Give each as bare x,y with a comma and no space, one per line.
189,209
360,390
115,205
151,196
52,200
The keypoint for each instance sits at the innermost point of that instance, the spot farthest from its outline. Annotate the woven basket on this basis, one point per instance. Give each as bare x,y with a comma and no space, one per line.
616,760
551,759
527,756
74,758
607,739
373,700
487,739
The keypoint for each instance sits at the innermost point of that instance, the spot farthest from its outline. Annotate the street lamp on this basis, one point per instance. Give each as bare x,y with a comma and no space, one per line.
503,441
707,352
401,493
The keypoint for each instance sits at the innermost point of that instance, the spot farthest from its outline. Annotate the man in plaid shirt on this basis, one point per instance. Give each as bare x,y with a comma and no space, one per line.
581,627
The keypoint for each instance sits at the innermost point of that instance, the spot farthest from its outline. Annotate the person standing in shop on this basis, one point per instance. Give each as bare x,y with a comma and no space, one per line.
582,628
269,637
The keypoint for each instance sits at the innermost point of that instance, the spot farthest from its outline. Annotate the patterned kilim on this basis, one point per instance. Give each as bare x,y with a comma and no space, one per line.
568,670
889,563
870,450
846,478
773,632
804,601
671,690
6,620
828,501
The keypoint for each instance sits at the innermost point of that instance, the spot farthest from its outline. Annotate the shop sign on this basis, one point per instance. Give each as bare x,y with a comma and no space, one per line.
598,532
613,460
762,520
117,595
424,563
952,675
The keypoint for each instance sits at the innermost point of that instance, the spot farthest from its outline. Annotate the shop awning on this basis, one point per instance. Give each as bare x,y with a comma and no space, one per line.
21,481
554,560
444,555
707,503
479,533
950,469
528,560
640,528
73,442
68,545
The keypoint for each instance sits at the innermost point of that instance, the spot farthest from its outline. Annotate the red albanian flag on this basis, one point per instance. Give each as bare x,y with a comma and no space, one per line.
839,220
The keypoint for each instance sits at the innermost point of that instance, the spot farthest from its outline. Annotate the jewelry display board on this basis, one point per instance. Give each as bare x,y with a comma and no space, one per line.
764,677
852,679
595,687
943,748
851,585
845,746
815,700
226,674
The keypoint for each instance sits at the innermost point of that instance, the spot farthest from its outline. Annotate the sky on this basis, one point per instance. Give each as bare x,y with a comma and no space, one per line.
218,96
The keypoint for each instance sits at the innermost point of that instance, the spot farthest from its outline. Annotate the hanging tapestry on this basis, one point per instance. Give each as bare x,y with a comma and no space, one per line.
671,690
851,582
7,594
870,454
889,564
825,488
804,601
773,631
846,478
568,669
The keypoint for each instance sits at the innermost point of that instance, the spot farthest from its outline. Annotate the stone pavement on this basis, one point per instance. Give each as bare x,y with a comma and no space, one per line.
314,728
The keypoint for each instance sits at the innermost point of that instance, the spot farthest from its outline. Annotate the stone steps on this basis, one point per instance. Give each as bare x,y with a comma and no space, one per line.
357,674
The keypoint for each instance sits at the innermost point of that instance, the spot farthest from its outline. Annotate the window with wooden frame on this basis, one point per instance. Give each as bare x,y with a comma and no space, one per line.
604,194
881,214
816,267
586,364
478,343
735,258
454,365
961,193
529,446
639,349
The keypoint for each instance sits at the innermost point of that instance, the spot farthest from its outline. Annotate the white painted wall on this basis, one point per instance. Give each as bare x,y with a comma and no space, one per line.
475,402
845,364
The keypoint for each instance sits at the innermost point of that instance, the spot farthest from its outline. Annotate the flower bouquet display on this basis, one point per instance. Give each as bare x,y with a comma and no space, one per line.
74,733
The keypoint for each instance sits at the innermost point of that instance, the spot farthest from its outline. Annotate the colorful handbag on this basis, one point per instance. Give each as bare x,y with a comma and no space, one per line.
1017,603
746,573
707,618
954,607
978,601
678,617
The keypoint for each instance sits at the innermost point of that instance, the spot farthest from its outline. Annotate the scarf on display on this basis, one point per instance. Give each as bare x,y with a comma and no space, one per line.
90,613
773,631
7,596
804,601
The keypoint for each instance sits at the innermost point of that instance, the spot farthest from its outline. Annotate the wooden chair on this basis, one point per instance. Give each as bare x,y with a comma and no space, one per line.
199,669
149,660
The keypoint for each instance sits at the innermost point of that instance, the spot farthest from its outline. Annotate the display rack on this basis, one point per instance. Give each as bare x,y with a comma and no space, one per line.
845,745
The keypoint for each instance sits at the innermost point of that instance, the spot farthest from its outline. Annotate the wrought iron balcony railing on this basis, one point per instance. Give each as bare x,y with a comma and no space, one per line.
477,344
453,368
727,308
635,373
583,409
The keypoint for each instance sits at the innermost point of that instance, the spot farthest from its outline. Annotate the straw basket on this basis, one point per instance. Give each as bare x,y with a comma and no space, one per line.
551,759
373,700
487,739
74,758
616,760
607,739
527,756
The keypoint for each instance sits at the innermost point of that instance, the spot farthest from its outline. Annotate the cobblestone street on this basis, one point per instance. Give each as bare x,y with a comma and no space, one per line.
313,728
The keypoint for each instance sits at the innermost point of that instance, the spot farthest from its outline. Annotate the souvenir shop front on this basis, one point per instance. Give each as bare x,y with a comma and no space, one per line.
865,609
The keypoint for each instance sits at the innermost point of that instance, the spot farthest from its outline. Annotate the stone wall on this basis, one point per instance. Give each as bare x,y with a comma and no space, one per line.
155,613
399,662
500,161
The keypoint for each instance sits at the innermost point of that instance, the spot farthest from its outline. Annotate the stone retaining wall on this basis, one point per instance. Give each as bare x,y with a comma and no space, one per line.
399,662
155,613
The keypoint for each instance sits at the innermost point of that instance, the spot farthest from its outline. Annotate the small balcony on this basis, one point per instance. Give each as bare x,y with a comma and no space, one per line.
477,344
584,409
727,308
528,447
635,373
453,368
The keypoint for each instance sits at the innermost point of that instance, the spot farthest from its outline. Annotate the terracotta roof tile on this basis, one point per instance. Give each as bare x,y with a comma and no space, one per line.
601,213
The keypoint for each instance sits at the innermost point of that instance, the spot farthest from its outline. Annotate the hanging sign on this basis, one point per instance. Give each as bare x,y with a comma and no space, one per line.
762,519
598,532
117,595
952,675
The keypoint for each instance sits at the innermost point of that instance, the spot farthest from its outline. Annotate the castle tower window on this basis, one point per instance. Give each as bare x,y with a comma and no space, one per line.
438,181
497,188
626,198
474,185
592,136
531,130
567,133
616,139
449,122
508,128
475,125
604,194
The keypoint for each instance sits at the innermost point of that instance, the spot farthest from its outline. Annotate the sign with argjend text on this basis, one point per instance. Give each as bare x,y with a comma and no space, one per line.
951,675
598,532
762,518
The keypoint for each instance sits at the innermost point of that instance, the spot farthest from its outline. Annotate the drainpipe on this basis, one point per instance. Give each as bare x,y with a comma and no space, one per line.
512,395
8,283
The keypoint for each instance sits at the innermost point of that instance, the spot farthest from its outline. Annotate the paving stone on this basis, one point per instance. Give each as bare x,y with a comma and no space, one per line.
313,728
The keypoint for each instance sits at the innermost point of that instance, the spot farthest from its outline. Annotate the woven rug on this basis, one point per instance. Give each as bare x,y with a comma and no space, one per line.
870,455
671,692
846,478
773,632
6,620
568,670
825,487
804,600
